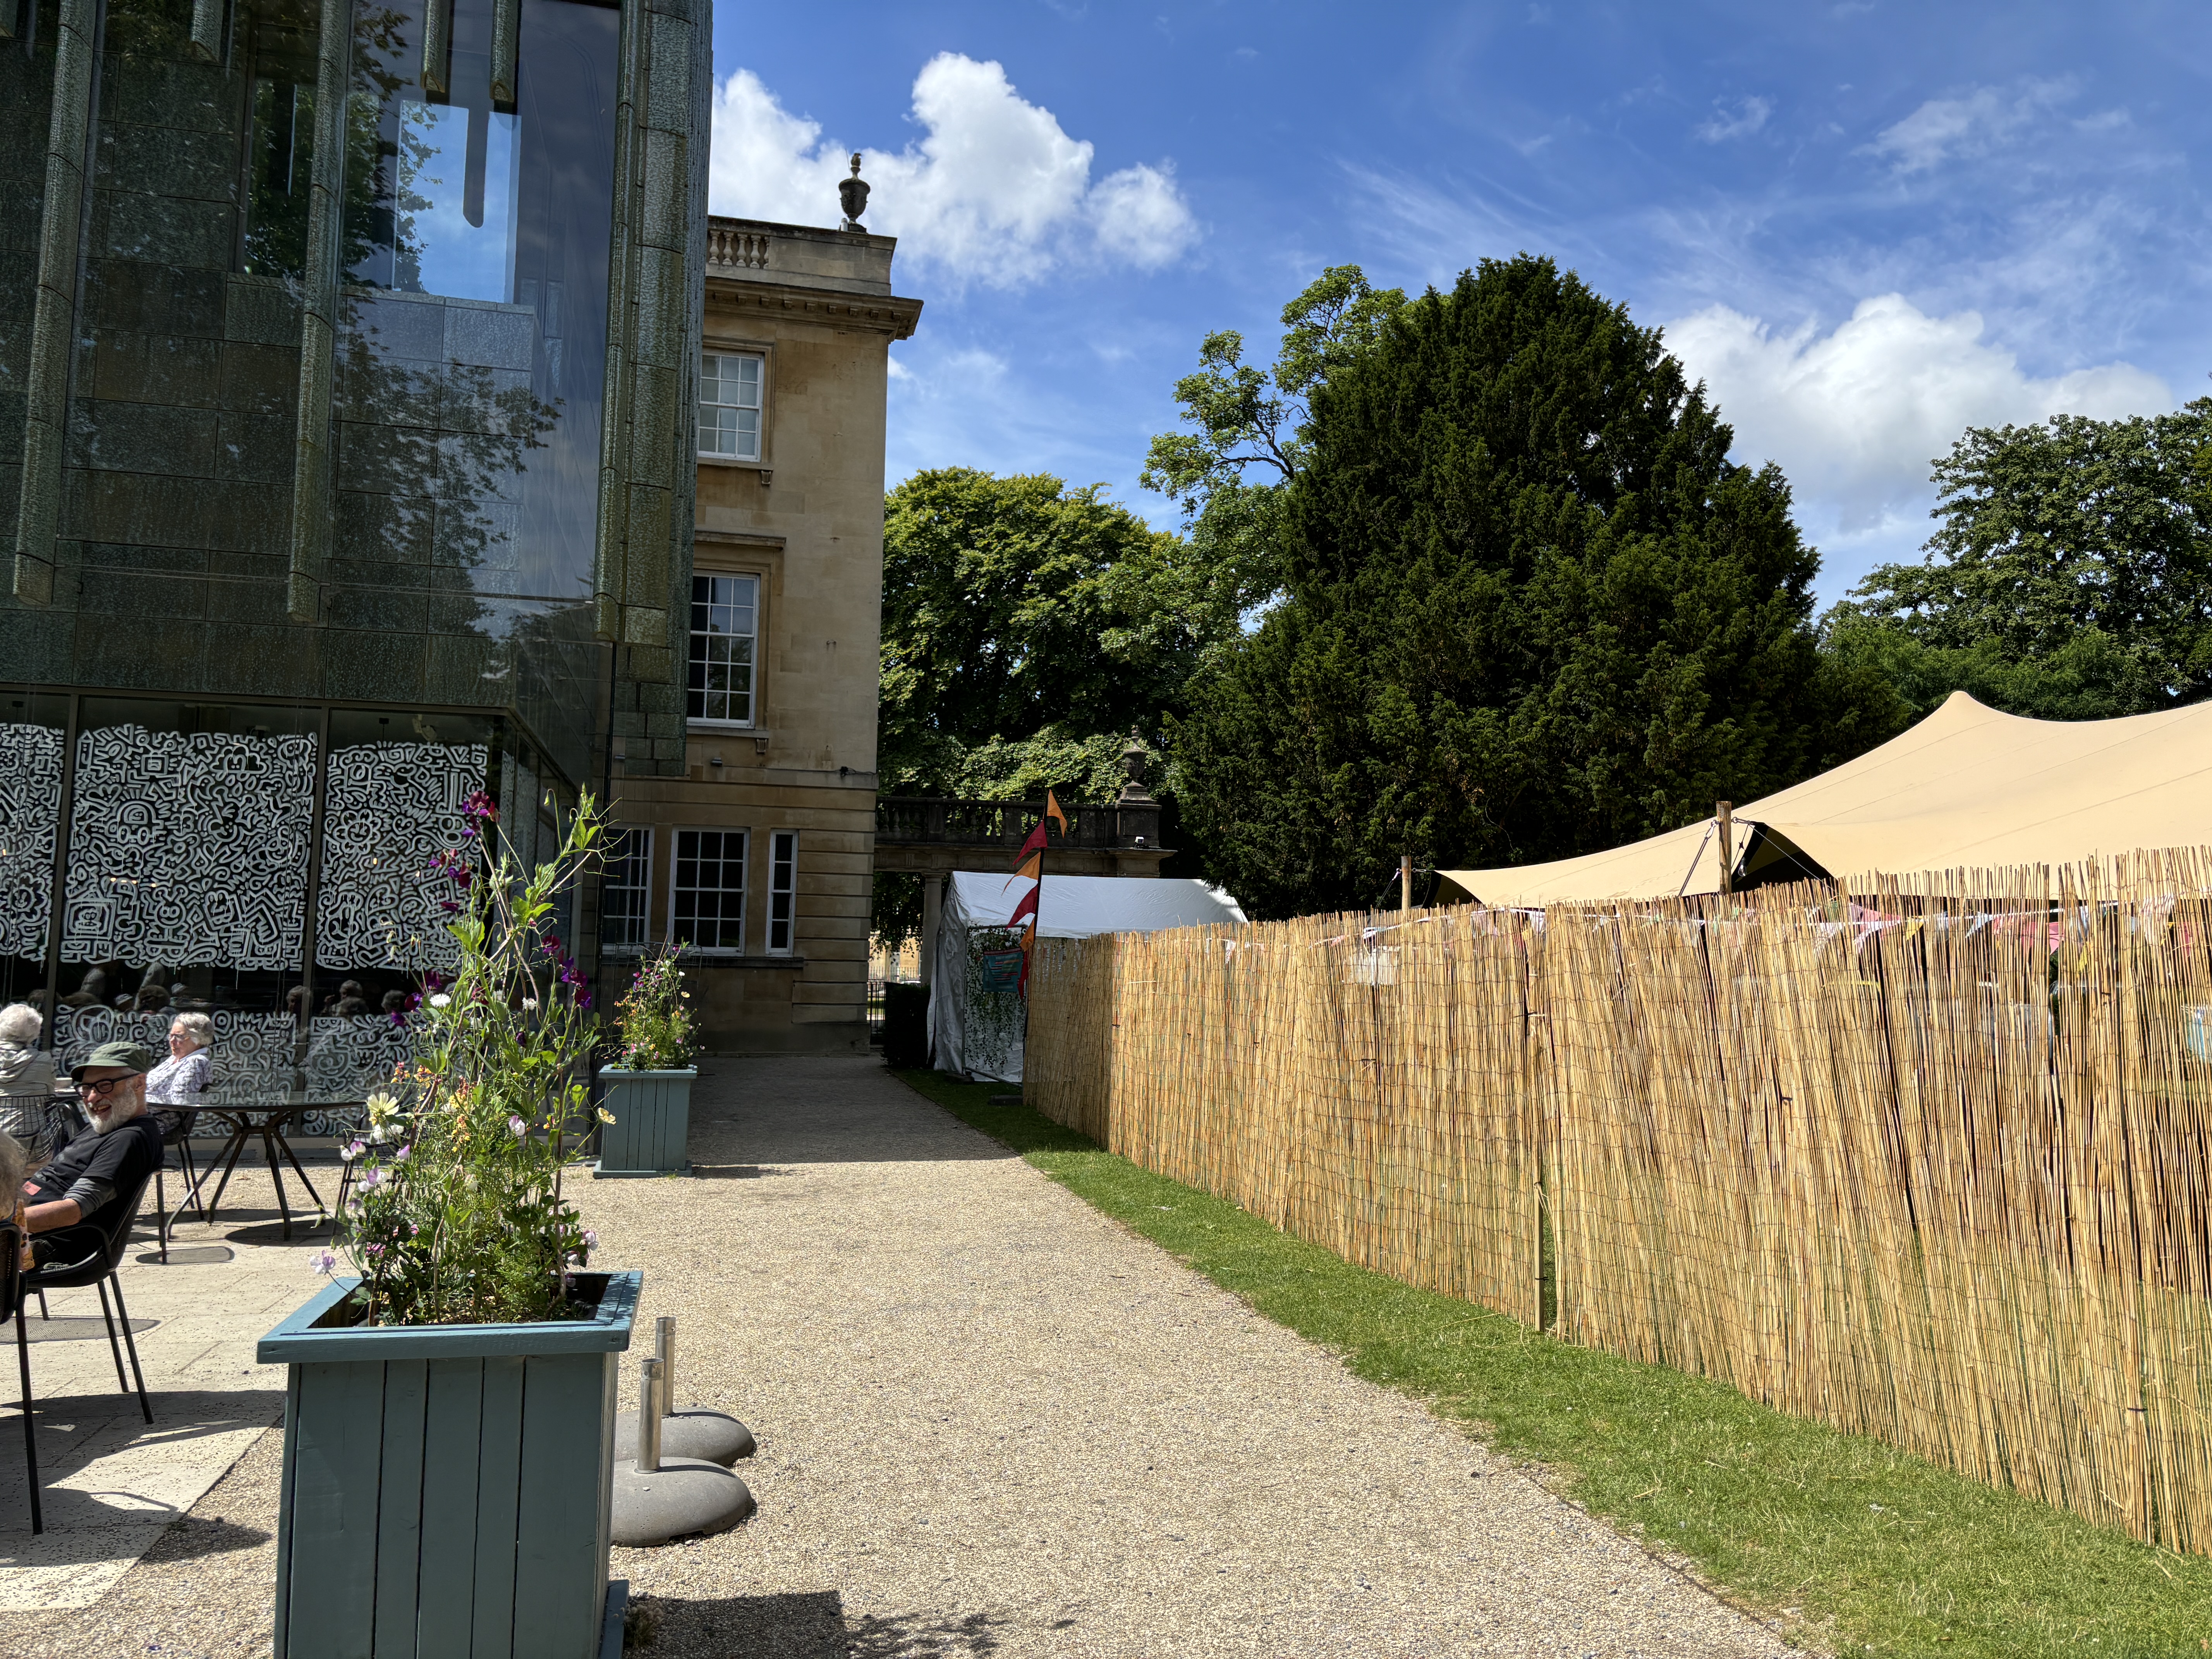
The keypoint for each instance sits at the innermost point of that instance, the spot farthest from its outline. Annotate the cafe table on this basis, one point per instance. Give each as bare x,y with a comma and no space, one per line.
266,1113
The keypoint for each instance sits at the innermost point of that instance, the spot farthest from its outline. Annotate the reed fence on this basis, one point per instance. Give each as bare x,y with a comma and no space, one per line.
1928,1164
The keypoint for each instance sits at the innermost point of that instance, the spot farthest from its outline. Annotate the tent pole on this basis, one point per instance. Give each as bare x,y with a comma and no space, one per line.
1723,812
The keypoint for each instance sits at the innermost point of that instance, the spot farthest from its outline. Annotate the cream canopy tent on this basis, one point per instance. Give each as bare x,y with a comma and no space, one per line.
1968,787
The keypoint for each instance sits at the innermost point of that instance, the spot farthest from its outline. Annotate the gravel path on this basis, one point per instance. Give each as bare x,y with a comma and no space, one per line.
994,1422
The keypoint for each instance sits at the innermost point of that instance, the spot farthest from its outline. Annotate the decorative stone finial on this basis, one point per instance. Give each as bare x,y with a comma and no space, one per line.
852,194
1134,759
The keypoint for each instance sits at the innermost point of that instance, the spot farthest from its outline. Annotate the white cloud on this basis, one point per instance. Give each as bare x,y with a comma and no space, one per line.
995,192
1856,416
1945,129
1750,116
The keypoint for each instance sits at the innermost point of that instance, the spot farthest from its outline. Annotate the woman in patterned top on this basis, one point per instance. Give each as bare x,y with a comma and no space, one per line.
177,1082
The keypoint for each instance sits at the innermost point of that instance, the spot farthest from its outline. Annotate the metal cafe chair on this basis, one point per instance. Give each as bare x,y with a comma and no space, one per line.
11,1306
98,1270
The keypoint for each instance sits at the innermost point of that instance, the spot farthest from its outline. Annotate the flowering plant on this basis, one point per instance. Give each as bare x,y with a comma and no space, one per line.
657,1030
458,1215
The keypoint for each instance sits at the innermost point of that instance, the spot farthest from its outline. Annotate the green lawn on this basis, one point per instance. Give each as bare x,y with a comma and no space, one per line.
1870,1550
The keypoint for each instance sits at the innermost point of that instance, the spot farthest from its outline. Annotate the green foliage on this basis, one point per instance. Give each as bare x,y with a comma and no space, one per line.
2070,576
1016,608
458,1217
658,1033
1244,419
1846,1544
1029,629
1533,611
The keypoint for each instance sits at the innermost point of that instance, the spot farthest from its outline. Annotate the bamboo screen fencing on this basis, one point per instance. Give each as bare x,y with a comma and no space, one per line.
1930,1167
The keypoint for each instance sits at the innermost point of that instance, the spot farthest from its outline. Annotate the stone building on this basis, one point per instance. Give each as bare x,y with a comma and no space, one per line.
757,854
348,365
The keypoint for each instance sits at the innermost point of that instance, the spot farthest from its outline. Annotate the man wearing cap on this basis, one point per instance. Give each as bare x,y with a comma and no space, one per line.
73,1202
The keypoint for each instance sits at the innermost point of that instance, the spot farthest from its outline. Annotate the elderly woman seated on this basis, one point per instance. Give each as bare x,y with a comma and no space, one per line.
27,1081
173,1087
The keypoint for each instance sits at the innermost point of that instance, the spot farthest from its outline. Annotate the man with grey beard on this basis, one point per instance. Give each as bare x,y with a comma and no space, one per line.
73,1200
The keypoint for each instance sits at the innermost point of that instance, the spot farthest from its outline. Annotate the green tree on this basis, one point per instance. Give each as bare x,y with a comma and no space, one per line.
1248,436
1531,611
1028,630
2069,577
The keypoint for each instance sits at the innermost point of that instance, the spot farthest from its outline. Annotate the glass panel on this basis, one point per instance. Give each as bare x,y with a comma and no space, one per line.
187,877
706,908
277,39
473,337
393,802
32,732
721,681
628,882
782,888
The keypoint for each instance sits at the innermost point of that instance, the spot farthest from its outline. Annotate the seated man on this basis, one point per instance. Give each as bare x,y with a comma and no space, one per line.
75,1201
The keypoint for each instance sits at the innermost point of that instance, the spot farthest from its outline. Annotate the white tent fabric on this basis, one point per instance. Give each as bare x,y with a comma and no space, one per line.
1968,787
977,1031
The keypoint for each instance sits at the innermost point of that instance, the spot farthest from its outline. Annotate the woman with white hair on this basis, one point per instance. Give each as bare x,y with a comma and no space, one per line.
27,1079
178,1082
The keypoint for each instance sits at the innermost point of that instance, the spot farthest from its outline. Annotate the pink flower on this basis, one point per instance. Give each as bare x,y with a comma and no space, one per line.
517,1128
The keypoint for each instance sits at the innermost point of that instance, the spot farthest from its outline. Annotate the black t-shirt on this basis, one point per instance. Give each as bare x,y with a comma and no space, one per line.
123,1157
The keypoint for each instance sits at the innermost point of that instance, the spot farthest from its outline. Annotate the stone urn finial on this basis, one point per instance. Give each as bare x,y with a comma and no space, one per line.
1135,757
852,194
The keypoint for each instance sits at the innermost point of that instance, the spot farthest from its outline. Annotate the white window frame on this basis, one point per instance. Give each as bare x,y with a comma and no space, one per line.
676,929
723,391
638,845
708,720
783,884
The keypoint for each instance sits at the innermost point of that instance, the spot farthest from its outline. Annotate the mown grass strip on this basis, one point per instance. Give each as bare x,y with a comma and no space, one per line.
1862,1548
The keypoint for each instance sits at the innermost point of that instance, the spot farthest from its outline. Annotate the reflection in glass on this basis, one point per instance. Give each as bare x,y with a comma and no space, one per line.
279,37
474,328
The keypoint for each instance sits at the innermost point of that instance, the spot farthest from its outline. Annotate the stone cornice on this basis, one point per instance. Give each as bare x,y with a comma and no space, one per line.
735,295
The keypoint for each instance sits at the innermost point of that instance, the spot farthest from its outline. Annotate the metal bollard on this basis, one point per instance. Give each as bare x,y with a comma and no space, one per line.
651,1393
664,1333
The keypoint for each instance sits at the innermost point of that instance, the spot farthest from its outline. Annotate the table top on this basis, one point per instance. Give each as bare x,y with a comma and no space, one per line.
248,1100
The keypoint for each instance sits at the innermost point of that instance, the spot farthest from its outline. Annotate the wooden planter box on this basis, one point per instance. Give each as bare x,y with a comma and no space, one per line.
446,1488
652,1112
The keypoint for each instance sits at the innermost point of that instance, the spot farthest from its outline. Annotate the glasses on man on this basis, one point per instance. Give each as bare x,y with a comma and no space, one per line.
105,1087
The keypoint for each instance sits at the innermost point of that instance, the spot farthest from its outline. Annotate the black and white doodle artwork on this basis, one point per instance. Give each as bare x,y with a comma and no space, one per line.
389,808
30,810
189,846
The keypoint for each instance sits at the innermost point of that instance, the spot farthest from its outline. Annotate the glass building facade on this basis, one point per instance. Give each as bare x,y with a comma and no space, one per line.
351,348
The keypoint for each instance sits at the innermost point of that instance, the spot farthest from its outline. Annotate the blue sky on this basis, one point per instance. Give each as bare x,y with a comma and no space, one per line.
1867,225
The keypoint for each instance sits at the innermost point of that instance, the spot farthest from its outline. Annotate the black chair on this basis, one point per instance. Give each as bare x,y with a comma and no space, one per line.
180,1136
98,1270
11,1306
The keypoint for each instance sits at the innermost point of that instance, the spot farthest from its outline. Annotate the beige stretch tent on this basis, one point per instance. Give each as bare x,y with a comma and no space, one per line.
1967,787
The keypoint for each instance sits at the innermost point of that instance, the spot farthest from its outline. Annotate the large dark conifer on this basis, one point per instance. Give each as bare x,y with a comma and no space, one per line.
1533,611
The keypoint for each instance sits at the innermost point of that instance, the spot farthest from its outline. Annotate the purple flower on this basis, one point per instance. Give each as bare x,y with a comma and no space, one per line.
375,1249
479,806
591,1239
324,1262
517,1128
449,907
403,1155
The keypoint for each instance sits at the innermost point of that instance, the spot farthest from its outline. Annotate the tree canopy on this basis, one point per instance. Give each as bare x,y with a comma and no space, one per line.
2070,576
1026,624
1531,608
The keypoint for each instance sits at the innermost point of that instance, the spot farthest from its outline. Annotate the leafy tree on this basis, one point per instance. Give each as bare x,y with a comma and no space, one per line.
1028,630
2070,576
1249,428
1531,611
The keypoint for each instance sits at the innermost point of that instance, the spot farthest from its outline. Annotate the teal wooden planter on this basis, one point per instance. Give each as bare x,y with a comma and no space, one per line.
652,1112
446,1488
